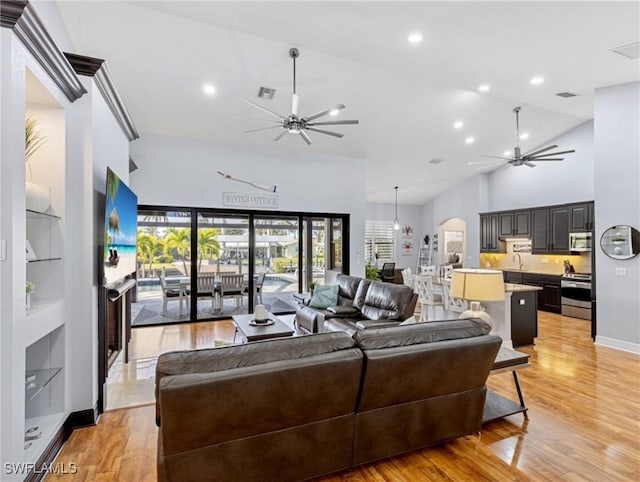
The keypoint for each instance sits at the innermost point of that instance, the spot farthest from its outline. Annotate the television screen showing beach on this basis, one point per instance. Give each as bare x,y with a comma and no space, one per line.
120,230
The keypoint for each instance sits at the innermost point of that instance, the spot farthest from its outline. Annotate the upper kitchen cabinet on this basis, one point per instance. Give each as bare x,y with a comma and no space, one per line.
489,242
581,217
550,232
514,224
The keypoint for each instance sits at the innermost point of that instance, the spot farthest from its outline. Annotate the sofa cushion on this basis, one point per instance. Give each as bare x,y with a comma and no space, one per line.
386,301
361,293
417,333
250,354
324,296
348,286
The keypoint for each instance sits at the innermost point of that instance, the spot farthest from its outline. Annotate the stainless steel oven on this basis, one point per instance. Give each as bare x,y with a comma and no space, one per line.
576,295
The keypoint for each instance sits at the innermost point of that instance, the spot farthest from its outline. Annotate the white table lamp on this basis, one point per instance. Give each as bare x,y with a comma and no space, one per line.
476,285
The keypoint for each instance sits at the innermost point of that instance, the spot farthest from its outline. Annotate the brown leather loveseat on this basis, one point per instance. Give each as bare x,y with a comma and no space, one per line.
297,408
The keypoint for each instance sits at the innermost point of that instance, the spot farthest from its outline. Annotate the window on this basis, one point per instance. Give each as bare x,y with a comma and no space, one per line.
378,239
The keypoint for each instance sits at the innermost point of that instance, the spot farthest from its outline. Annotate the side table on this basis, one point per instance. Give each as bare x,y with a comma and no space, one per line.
496,406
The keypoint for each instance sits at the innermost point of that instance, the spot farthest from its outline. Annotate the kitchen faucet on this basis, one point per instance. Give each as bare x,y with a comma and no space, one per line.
520,263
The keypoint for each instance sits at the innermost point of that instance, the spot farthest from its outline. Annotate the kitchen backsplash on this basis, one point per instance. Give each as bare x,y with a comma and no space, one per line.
537,263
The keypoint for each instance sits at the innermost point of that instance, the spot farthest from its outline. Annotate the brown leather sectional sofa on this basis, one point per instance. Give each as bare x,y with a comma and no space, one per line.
362,303
297,408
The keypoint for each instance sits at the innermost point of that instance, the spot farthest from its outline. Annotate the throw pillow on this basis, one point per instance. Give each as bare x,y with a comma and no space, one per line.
409,321
324,296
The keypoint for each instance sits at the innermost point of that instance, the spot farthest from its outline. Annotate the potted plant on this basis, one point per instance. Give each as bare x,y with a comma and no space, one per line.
37,198
31,288
371,272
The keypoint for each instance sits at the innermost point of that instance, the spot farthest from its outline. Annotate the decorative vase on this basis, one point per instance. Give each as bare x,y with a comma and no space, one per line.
37,198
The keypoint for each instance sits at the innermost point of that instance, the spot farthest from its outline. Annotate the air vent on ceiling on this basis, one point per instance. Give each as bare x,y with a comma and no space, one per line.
566,95
631,51
266,93
435,161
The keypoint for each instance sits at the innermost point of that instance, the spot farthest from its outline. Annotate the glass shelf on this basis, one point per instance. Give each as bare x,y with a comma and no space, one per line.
44,259
37,214
36,380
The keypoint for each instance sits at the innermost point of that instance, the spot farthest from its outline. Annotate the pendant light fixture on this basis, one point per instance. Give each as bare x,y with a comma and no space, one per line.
396,223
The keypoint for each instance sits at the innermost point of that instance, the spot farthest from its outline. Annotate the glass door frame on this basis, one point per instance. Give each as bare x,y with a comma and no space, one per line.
304,218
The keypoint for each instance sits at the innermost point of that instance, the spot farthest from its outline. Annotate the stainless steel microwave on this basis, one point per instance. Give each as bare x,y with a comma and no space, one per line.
580,241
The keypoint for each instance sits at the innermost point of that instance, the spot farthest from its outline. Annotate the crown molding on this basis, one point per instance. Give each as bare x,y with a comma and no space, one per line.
97,68
21,17
114,101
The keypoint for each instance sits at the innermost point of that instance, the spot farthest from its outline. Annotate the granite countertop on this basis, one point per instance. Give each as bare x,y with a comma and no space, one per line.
528,271
517,288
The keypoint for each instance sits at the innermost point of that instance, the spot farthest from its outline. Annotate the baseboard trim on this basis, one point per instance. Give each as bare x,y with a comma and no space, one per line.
81,418
618,344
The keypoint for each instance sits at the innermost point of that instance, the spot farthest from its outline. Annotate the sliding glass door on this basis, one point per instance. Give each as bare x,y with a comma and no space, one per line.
276,262
199,264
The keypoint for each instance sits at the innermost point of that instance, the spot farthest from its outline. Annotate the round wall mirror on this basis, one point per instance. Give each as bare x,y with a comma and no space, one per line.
620,242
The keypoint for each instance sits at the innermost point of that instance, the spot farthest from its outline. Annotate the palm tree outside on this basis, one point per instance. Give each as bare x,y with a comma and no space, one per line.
179,240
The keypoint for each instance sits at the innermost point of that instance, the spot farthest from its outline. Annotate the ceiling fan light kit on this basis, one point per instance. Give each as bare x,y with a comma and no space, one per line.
294,124
519,159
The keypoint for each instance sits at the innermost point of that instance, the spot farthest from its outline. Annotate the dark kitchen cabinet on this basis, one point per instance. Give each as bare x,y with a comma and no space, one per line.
581,217
540,231
514,224
549,298
550,230
489,242
512,277
524,318
559,230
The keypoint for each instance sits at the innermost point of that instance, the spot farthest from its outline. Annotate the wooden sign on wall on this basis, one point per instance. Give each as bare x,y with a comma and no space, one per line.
245,200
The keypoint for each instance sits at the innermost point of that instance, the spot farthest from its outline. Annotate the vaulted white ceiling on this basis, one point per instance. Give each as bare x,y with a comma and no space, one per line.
406,97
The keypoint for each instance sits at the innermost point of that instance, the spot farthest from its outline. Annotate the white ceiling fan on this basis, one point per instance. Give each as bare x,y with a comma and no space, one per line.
519,159
296,124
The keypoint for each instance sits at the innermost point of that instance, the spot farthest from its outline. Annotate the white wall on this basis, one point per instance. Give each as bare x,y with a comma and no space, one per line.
407,215
463,201
617,197
182,172
548,183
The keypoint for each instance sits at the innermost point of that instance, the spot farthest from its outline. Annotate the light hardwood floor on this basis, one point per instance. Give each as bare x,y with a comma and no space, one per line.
584,422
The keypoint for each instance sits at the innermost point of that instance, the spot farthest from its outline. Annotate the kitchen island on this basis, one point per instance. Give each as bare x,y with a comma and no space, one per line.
515,319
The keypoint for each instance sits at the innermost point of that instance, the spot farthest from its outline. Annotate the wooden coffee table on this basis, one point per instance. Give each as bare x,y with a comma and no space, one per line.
496,406
249,332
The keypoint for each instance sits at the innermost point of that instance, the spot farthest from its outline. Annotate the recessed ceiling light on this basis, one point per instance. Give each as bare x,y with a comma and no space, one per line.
537,80
469,140
507,153
333,112
484,88
209,89
415,38
458,125
524,135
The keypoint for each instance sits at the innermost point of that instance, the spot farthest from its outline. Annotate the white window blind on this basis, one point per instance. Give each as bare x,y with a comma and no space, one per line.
379,238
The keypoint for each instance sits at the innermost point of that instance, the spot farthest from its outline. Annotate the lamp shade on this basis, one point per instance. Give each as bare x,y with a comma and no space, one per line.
477,284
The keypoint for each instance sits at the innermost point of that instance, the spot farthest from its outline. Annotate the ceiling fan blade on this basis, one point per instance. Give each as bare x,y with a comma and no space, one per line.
306,138
329,133
552,154
264,109
543,159
281,135
486,163
323,112
528,164
261,129
530,154
499,157
333,123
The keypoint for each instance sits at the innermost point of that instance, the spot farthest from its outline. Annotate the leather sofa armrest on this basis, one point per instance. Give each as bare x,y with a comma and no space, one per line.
366,324
343,311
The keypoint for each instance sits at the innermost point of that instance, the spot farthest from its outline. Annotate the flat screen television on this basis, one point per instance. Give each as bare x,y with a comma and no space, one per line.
121,226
